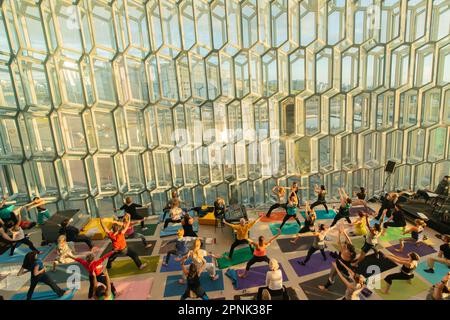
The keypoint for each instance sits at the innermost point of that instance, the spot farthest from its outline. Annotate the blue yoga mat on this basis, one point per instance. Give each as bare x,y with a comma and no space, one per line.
172,229
173,288
20,252
440,270
176,266
44,295
233,276
322,214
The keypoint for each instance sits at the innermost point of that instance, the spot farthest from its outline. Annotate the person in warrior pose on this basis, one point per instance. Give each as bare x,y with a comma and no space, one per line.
321,193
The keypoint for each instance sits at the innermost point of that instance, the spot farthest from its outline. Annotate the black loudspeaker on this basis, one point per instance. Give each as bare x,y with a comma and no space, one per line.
390,167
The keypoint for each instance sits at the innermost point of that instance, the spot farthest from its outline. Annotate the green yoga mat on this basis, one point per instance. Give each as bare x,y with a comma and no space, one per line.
393,234
150,231
403,290
239,256
127,267
289,228
357,242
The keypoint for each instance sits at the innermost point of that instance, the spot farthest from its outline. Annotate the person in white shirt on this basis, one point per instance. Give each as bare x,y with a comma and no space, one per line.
175,213
18,236
274,281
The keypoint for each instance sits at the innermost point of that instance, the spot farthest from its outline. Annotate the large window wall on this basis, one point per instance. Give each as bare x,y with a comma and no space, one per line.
101,99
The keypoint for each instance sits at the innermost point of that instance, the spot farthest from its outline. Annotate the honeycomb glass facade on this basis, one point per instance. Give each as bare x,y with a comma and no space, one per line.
101,99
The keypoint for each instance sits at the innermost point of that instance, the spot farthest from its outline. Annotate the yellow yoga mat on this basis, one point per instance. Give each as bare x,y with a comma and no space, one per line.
208,219
94,230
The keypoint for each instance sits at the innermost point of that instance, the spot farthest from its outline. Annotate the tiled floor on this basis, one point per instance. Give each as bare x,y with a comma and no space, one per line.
154,284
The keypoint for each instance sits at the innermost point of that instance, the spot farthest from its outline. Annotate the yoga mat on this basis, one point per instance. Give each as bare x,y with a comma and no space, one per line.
176,265
150,231
135,288
12,282
358,242
173,228
422,250
315,264
336,291
304,243
275,216
403,290
233,276
44,295
81,250
256,277
66,272
289,228
127,267
20,252
166,248
137,246
322,214
440,270
173,288
354,210
239,256
393,234
370,262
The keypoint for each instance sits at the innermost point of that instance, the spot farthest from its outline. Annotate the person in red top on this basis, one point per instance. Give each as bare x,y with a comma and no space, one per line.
96,266
119,244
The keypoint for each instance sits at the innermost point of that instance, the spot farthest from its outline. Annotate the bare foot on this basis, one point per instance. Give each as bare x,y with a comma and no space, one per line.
322,288
398,250
177,259
215,278
292,241
143,266
228,258
149,245
164,264
242,275
181,281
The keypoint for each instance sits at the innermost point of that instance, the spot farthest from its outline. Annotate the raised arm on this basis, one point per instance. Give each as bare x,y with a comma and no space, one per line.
346,236
350,271
341,197
127,224
274,237
104,227
344,193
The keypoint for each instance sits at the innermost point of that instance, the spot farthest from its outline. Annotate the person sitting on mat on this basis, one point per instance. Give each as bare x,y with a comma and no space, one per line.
175,214
370,240
354,284
124,221
242,230
193,282
42,212
119,244
291,211
102,291
198,256
407,270
73,234
188,226
96,271
443,255
64,252
440,290
344,208
417,234
35,266
359,225
130,207
396,220
259,252
318,244
274,282
181,246
346,256
321,193
18,236
280,193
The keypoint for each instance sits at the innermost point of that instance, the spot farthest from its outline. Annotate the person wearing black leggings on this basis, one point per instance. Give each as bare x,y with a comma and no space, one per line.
280,192
387,204
73,234
291,211
318,244
19,236
193,282
344,209
407,270
130,207
38,275
321,192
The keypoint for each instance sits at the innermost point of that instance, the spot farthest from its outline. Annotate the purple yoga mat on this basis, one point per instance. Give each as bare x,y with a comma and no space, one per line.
421,250
256,277
315,264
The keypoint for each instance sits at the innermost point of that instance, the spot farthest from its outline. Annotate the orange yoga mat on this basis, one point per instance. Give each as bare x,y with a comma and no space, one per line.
276,216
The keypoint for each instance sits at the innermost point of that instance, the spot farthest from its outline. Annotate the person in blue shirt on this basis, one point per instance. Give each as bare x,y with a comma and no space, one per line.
291,210
181,246
34,265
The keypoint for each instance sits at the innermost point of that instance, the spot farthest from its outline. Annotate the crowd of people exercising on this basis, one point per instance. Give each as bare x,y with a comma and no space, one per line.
189,247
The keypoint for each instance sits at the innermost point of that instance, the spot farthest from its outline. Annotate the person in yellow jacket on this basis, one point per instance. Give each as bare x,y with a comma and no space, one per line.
241,233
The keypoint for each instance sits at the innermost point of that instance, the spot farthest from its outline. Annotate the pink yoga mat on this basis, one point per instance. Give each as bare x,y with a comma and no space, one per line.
133,288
